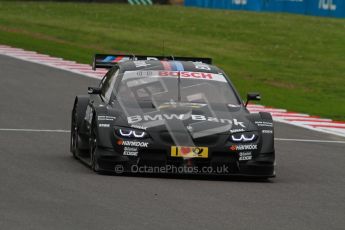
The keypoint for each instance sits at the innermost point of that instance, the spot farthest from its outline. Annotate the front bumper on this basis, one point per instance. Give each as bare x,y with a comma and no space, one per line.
158,161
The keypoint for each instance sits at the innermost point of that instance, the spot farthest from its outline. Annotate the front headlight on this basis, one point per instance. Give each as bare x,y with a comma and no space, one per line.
243,137
131,133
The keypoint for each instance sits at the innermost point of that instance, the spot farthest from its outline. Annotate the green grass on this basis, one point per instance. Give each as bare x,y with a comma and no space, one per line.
296,62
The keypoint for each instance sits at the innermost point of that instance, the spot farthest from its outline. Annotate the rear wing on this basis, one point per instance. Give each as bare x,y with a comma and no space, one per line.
109,60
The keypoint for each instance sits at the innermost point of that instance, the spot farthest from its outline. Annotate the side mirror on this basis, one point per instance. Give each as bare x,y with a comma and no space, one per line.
252,97
93,90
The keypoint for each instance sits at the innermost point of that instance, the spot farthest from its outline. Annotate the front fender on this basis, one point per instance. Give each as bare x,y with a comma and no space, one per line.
264,124
104,119
267,132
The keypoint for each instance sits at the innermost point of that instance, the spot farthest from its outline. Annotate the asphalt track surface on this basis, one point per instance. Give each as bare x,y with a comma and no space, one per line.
43,187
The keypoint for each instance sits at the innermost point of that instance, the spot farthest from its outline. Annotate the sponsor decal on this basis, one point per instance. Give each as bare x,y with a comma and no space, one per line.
106,118
267,131
239,2
243,147
264,124
200,65
133,143
139,127
130,151
327,5
166,65
236,130
144,73
159,117
233,147
245,156
185,74
140,64
175,74
104,125
114,59
189,152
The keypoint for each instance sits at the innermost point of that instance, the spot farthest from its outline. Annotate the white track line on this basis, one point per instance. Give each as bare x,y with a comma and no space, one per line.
280,115
306,140
37,130
67,131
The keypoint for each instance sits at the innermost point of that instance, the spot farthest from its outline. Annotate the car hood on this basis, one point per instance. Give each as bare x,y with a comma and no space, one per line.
198,119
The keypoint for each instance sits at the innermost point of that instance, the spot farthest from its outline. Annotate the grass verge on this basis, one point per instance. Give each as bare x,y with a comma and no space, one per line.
296,62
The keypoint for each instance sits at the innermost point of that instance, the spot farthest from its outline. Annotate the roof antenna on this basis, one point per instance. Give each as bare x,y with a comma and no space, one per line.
133,57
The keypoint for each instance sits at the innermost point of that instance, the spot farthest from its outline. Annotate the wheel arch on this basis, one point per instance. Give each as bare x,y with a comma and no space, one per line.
267,138
80,104
104,134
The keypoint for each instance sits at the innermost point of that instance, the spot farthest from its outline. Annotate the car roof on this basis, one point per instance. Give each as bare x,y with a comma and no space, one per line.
168,66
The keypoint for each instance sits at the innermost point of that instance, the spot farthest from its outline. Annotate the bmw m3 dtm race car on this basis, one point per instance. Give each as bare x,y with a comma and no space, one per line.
170,113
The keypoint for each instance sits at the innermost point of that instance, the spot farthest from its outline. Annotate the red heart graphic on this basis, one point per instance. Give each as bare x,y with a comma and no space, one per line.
233,148
185,150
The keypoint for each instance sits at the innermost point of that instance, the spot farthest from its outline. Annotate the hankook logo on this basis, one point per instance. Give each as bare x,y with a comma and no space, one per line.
243,147
132,143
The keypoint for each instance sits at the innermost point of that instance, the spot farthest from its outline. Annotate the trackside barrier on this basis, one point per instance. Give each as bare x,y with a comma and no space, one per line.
326,8
140,2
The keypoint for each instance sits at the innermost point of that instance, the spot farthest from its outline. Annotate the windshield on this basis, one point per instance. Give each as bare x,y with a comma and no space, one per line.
165,86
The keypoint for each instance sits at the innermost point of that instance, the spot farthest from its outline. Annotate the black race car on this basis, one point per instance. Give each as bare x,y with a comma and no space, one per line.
169,115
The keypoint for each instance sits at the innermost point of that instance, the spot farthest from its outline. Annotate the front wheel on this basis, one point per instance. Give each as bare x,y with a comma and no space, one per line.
93,148
74,134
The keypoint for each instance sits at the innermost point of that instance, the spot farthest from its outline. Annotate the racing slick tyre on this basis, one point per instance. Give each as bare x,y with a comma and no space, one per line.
78,114
93,148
